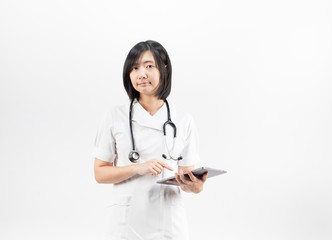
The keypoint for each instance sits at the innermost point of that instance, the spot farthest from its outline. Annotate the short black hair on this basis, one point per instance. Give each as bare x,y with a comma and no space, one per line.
161,58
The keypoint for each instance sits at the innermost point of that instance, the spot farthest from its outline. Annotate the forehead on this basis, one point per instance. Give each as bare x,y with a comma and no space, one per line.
146,57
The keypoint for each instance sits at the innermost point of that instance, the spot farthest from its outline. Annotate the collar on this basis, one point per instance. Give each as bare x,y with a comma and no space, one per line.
142,117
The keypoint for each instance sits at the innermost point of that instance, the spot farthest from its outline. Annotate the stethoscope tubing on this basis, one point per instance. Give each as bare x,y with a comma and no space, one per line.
134,155
131,124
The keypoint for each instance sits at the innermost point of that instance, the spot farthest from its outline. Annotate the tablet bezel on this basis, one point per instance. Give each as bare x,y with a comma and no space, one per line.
198,172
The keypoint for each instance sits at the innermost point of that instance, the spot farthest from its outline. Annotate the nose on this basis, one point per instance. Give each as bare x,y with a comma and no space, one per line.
142,73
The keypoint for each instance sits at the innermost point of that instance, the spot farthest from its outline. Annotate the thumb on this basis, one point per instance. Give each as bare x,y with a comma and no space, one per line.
204,177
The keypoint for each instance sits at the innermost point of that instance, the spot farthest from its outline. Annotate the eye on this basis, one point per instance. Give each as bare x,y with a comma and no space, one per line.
149,66
134,68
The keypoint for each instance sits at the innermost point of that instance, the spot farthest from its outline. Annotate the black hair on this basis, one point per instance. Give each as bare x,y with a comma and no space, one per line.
161,58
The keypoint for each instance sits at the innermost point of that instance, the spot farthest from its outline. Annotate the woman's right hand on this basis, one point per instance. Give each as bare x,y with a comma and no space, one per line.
153,166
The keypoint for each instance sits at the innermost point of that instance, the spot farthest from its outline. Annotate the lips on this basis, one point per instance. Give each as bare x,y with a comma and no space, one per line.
144,84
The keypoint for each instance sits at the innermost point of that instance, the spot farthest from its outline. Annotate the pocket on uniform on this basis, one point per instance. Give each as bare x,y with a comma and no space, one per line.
118,213
121,200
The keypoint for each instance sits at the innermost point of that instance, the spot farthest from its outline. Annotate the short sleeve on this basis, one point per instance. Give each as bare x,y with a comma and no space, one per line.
190,152
104,145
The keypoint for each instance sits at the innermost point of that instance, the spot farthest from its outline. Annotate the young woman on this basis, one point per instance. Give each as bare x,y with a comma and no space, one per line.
142,142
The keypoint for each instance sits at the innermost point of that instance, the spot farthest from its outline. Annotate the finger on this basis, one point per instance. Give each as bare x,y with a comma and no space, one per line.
183,178
178,178
204,177
153,172
166,166
192,176
156,169
160,165
184,188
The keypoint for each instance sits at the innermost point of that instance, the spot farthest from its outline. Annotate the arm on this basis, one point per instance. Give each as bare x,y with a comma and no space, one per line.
105,172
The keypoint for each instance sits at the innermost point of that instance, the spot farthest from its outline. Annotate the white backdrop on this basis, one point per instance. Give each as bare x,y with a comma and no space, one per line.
256,76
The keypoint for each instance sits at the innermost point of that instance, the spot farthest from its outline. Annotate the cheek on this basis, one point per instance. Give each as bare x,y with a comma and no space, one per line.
156,79
132,79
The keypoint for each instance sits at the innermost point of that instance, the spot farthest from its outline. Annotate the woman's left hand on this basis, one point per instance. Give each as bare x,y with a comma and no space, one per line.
191,184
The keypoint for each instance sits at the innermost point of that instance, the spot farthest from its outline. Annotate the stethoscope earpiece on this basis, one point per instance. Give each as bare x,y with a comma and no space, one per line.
168,158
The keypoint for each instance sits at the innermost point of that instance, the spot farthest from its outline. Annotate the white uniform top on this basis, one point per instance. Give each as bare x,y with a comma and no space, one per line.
141,208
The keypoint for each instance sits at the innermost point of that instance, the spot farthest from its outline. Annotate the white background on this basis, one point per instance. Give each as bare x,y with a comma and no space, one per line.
256,76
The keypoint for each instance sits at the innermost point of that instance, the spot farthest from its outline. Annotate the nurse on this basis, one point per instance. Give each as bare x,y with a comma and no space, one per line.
140,208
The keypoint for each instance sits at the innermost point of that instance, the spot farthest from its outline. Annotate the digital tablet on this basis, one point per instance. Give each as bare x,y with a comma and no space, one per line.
198,172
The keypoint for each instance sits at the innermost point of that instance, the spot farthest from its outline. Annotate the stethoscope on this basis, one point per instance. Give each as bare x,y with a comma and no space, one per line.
134,155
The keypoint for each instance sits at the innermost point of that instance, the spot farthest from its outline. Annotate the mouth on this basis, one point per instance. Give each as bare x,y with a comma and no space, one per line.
142,84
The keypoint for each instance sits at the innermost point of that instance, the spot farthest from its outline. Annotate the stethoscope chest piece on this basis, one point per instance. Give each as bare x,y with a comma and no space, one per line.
133,156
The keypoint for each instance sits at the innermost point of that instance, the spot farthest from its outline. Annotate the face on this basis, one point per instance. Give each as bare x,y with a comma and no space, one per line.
145,76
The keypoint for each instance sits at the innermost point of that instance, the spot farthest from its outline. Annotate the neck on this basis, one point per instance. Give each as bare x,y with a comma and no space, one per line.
151,103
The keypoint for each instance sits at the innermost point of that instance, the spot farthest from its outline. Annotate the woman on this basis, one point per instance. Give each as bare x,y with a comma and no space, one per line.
133,153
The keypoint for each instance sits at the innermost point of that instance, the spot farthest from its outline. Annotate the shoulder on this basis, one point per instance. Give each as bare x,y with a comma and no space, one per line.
118,111
185,124
116,114
180,116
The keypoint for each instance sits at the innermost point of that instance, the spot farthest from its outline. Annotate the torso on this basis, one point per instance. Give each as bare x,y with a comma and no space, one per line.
141,208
